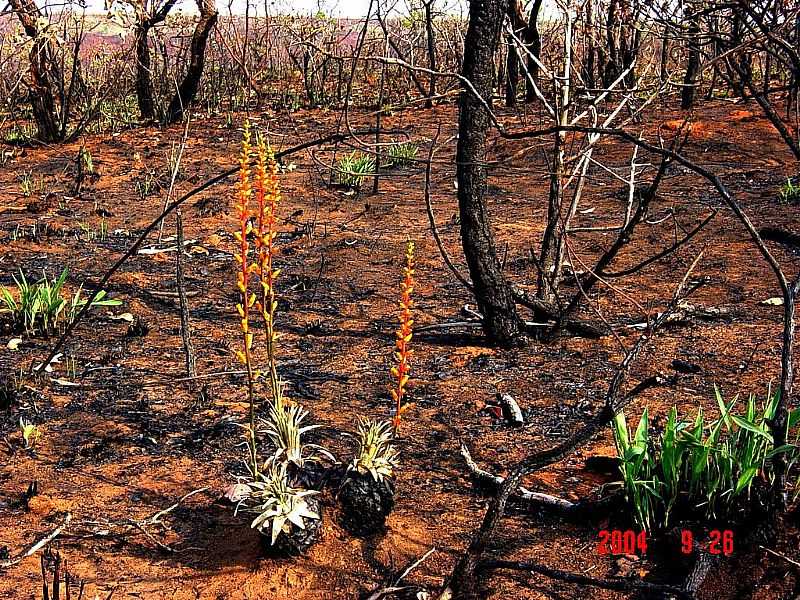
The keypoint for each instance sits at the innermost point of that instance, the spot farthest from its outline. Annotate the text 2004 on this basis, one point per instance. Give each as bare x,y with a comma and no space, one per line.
617,541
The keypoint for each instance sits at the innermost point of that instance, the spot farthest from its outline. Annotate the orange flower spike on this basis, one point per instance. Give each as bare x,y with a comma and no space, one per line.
402,355
273,197
244,192
263,259
267,197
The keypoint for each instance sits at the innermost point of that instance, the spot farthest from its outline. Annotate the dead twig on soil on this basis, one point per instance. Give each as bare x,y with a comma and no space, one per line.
10,562
469,325
186,332
129,525
615,583
149,536
393,589
522,493
156,518
781,556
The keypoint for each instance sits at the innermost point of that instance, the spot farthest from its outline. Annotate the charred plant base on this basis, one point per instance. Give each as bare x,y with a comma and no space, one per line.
311,476
8,395
366,503
297,541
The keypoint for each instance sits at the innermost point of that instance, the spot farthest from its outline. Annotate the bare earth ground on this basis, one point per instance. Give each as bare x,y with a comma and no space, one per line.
117,448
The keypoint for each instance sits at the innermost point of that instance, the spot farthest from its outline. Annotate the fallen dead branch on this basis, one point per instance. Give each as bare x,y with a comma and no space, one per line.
10,562
469,325
619,584
105,529
522,493
794,563
393,589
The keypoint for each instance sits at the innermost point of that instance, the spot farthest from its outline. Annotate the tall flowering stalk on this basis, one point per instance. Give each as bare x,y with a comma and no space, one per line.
247,299
402,355
268,195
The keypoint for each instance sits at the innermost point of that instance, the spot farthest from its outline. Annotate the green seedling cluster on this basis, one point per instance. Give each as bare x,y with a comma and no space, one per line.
706,467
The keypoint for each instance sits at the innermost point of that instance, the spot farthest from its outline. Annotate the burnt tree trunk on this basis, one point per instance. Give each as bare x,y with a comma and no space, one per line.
513,58
144,82
612,66
493,294
589,65
780,422
187,90
629,54
794,91
533,39
743,59
512,72
41,84
692,65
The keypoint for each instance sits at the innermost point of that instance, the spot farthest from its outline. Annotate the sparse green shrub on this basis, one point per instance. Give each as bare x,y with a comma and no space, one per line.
85,161
93,233
702,467
115,114
353,168
145,183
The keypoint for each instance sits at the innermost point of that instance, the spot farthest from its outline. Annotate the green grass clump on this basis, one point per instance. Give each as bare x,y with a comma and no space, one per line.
20,134
41,307
701,467
353,168
403,154
789,192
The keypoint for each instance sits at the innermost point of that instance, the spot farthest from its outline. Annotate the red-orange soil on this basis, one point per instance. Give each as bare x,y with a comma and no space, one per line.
117,449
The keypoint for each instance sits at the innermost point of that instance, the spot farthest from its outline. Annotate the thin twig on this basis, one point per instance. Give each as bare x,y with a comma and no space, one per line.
176,166
432,219
779,555
186,331
156,517
10,562
414,565
522,492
